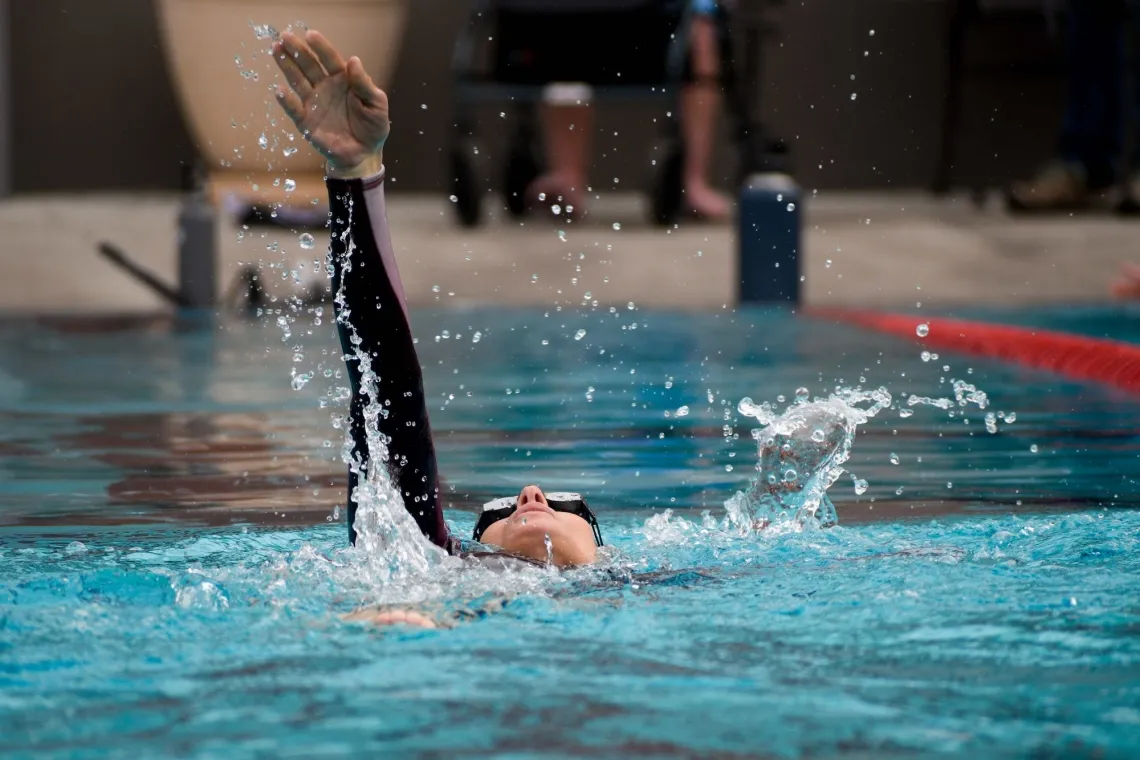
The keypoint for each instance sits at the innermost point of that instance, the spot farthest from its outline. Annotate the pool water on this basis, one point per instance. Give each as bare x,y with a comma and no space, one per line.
172,572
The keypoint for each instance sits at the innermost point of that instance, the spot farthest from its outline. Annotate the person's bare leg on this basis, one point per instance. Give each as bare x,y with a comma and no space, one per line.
700,102
567,131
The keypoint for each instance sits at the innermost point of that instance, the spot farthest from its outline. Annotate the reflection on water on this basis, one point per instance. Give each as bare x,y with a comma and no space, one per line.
190,422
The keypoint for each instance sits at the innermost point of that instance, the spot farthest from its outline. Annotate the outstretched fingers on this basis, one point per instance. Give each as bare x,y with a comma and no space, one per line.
293,74
291,103
304,57
330,59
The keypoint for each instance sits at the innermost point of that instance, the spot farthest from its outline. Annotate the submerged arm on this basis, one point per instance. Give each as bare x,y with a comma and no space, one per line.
389,615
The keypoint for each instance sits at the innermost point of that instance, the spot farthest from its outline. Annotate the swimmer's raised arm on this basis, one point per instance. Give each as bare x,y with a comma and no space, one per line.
336,107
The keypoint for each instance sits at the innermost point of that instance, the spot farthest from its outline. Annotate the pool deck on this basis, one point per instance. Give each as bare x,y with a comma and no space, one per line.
862,249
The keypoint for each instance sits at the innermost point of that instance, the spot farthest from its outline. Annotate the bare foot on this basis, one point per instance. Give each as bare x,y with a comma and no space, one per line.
705,203
1127,285
551,190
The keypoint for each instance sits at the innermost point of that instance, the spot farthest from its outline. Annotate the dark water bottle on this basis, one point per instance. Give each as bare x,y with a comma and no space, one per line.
768,239
197,251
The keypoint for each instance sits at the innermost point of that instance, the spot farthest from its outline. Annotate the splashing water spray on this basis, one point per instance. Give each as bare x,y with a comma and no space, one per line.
387,537
802,452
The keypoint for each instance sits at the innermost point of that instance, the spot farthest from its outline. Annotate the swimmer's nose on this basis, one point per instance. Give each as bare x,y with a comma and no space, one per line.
531,493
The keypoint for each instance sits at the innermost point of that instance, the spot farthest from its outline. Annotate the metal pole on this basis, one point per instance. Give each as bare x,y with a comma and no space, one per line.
5,103
1127,203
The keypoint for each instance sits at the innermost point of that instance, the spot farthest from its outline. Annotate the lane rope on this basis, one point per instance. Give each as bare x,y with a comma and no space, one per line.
1076,357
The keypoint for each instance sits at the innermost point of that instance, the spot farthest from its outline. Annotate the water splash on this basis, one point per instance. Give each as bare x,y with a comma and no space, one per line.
388,539
802,452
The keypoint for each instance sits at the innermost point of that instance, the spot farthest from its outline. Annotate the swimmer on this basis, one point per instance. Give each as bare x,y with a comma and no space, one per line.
344,115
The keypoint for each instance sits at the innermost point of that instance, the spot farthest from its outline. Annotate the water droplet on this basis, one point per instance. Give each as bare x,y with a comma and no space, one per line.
545,342
682,411
861,486
791,207
922,330
542,196
290,150
307,241
579,335
949,484
556,209
1034,448
423,106
290,185
802,394
631,306
898,491
434,288
617,226
904,413
300,380
76,547
828,264
1011,417
818,435
534,278
453,198
728,468
790,475
478,336
263,141
925,356
871,33
853,96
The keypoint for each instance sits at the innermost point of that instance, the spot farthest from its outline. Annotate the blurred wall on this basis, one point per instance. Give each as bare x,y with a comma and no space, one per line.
93,108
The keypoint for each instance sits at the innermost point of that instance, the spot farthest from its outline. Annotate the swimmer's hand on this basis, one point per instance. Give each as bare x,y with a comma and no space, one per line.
380,618
334,103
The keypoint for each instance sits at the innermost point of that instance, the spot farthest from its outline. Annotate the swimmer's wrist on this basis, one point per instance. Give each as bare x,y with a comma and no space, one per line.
369,167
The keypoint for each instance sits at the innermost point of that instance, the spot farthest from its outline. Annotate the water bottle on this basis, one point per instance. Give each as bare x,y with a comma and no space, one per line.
197,251
768,239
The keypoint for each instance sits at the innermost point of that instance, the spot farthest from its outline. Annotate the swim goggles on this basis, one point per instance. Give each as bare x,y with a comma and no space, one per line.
572,503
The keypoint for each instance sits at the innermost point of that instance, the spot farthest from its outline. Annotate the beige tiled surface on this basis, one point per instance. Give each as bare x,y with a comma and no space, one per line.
913,248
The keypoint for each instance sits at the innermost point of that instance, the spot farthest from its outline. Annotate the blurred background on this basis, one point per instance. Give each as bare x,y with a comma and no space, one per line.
904,124
92,105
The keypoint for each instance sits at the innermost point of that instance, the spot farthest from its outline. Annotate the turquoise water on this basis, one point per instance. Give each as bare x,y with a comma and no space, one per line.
172,575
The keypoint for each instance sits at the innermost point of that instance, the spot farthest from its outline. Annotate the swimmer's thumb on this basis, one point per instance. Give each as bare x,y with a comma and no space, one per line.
361,83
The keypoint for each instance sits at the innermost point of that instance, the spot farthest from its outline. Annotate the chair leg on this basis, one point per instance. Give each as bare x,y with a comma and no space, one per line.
1128,203
951,100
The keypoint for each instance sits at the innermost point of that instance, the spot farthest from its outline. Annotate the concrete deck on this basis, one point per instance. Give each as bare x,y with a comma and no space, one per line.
861,249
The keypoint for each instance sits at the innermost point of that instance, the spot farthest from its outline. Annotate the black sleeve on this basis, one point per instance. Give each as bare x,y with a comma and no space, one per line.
372,319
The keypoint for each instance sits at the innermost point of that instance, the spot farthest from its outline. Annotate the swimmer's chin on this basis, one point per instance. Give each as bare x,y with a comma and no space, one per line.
536,520
530,542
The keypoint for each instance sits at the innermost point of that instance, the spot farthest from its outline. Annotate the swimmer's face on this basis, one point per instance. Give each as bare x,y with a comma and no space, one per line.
525,532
